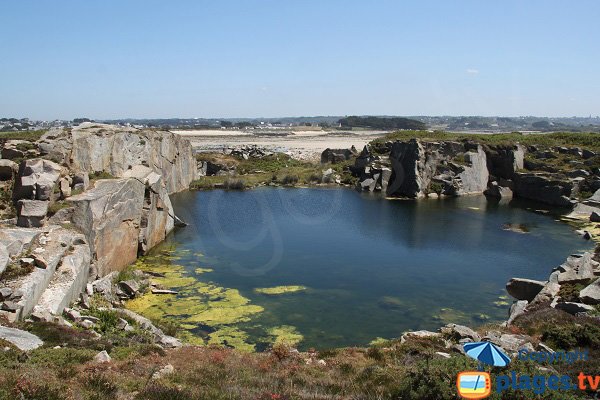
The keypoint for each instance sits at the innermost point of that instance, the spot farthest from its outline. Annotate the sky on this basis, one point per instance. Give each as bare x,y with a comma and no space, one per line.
272,58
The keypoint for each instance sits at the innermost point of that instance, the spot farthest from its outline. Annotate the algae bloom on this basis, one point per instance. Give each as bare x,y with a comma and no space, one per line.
272,291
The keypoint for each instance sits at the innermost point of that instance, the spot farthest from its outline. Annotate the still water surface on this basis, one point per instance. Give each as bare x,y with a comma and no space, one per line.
372,267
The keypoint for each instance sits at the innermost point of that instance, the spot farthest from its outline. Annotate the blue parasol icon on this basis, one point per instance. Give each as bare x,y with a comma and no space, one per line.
487,353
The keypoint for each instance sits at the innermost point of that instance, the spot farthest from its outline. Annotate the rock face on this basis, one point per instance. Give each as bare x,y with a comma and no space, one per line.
123,217
449,168
92,147
109,215
546,188
505,161
158,217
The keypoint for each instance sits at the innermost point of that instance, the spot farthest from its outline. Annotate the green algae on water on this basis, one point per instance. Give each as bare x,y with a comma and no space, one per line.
280,290
197,305
285,334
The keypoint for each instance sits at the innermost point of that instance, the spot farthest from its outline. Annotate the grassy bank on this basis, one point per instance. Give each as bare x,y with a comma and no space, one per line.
589,141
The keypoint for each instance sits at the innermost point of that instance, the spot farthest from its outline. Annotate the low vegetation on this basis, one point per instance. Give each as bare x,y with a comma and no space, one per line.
31,136
277,169
388,369
589,141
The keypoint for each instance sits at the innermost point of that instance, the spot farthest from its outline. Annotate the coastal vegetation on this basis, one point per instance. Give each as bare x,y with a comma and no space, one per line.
414,368
384,123
278,169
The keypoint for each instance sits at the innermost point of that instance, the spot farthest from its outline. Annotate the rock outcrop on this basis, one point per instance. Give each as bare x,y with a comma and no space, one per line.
334,156
448,168
109,215
122,218
95,148
546,188
524,289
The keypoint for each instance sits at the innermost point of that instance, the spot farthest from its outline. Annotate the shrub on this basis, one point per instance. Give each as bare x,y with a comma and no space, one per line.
159,392
567,337
290,180
234,184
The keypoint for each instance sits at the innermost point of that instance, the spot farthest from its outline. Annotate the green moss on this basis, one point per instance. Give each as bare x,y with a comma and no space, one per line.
280,290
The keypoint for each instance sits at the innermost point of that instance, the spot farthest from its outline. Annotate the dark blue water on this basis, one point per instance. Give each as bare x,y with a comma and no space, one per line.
373,267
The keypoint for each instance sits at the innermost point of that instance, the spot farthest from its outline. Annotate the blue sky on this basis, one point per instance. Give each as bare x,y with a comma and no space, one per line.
251,58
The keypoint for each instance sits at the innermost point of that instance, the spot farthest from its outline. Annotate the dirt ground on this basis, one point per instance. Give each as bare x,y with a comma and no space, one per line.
303,145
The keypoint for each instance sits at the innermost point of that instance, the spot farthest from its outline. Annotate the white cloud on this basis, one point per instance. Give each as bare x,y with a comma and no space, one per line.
472,71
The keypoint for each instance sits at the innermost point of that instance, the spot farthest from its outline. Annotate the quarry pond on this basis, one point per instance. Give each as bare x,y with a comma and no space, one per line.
333,267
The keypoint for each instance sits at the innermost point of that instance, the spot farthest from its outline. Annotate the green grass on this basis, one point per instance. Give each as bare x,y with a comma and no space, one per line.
31,136
589,141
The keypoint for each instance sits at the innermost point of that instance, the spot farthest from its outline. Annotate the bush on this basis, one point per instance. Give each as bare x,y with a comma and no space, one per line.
567,337
290,180
160,392
234,184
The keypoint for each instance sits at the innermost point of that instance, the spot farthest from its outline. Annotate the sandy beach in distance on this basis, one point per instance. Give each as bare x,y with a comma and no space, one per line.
301,144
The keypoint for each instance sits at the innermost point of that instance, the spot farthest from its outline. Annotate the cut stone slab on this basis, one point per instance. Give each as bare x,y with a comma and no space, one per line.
419,334
36,180
524,289
458,332
591,293
67,282
33,285
32,213
23,340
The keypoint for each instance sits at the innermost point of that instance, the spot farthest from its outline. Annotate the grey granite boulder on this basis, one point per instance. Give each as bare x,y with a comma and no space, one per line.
516,309
524,289
36,180
23,340
458,332
576,269
591,293
31,213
